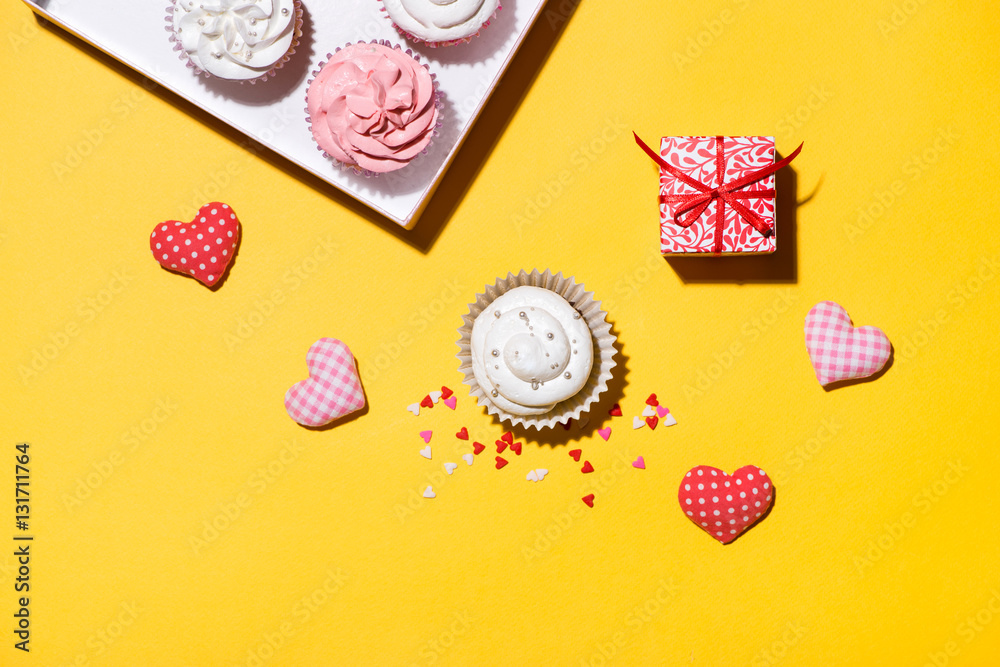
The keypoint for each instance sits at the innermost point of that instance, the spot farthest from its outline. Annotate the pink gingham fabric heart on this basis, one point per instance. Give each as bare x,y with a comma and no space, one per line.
839,351
333,388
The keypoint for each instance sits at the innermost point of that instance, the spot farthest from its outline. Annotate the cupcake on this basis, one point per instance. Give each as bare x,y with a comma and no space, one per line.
440,22
239,40
536,349
372,107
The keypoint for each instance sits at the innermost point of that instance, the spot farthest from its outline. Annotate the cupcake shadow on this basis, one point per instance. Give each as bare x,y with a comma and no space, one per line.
492,41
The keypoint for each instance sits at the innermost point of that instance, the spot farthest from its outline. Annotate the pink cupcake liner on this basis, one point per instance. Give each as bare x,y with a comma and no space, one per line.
353,168
263,77
434,45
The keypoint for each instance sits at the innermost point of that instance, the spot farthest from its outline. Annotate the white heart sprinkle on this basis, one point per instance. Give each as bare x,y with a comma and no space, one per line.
429,493
435,396
537,475
638,422
468,458
426,452
415,409
648,411
450,467
669,420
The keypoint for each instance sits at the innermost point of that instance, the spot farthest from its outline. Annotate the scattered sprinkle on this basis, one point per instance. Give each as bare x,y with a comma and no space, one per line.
588,499
426,435
637,422
575,454
449,467
587,467
648,411
427,402
501,462
435,396
468,458
478,447
446,393
516,448
508,438
605,433
669,420
536,475
652,400
639,463
652,421
426,452
615,411
463,434
414,408
429,493
451,402
501,445
662,411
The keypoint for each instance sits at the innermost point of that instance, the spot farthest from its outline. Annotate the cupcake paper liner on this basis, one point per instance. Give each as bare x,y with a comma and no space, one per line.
600,330
353,168
432,44
297,34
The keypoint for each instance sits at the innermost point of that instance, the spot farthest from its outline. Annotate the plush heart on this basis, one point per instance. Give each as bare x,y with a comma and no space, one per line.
725,505
201,248
333,388
839,351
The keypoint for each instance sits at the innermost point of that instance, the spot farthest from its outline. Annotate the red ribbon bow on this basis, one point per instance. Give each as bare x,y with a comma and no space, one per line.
726,193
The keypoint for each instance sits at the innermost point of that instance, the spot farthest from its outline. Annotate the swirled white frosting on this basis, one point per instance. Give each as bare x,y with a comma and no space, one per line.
235,39
530,350
441,20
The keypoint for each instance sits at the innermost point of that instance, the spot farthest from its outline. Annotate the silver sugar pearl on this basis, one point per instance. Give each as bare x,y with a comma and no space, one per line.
495,393
576,316
567,375
496,313
534,384
284,11
550,335
523,315
495,353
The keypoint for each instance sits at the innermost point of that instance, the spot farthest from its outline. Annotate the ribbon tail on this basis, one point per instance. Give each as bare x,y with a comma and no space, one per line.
669,168
763,173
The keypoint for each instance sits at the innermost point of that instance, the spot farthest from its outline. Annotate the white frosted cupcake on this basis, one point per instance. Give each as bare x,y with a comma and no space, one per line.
440,22
238,40
536,349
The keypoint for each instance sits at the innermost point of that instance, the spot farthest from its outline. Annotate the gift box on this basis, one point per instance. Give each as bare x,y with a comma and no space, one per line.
717,194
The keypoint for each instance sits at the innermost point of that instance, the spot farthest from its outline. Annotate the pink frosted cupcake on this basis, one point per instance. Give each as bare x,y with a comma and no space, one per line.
440,22
238,40
372,107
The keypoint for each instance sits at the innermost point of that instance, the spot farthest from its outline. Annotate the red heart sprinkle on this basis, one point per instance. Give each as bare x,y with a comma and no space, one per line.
501,462
652,421
725,505
516,448
202,248
587,467
446,393
652,400
463,434
478,448
575,453
588,500
507,437
428,402
615,411
501,445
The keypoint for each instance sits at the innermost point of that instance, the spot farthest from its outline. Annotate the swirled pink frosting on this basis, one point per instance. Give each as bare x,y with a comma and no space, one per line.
373,107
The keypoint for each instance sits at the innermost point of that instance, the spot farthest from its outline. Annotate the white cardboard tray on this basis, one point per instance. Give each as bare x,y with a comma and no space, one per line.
272,112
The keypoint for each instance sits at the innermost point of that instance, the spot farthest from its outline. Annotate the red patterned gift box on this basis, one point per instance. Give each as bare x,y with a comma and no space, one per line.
717,194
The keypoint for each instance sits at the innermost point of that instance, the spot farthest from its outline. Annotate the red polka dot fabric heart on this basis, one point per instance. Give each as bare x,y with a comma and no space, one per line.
333,388
201,248
725,505
837,350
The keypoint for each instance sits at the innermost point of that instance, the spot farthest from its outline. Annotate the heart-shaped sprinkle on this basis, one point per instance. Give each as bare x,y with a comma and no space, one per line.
725,505
468,458
652,400
450,467
451,402
414,408
652,421
604,433
429,493
575,454
669,420
536,475
662,411
202,248
333,388
568,424
501,462
478,447
426,435
426,452
839,351
446,393
639,463
508,438
588,500
501,445
648,411
638,422
516,448
616,411
587,467
428,402
463,434
435,396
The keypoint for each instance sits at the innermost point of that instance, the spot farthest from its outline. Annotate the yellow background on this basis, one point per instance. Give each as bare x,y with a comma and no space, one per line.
882,547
